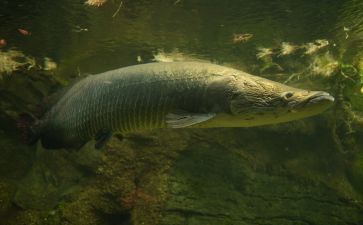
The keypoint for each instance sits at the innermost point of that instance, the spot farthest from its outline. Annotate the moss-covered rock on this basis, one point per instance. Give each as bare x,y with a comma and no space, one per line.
355,172
248,176
7,190
51,176
215,181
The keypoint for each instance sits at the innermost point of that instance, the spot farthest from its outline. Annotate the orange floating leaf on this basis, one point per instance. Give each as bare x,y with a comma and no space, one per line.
2,43
96,3
24,32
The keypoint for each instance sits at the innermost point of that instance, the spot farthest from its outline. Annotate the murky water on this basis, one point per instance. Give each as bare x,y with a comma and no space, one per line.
305,172
93,40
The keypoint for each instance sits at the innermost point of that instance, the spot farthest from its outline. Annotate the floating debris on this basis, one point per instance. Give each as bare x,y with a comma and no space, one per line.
161,56
2,43
49,64
310,48
271,67
346,30
118,10
79,29
139,59
264,52
24,32
360,64
174,56
238,38
322,42
288,48
13,60
313,47
96,3
324,65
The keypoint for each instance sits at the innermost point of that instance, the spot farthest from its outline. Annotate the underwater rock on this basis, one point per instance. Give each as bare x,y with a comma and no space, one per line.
83,208
355,172
51,176
87,159
124,182
212,183
192,177
15,159
6,194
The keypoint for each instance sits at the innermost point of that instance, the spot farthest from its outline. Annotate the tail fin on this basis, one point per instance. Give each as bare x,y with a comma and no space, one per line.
28,133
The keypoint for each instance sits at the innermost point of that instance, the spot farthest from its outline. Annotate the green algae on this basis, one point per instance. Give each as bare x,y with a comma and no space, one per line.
14,60
355,172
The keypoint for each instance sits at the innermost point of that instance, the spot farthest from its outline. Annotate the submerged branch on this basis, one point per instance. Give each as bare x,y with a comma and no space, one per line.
118,10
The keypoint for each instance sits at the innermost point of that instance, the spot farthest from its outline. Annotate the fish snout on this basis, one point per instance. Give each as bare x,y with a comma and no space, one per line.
320,97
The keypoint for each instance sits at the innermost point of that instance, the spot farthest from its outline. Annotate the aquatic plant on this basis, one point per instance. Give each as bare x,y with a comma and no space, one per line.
264,52
13,60
288,48
313,47
49,64
324,65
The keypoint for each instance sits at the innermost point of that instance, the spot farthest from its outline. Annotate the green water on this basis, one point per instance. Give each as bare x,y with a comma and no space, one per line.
304,172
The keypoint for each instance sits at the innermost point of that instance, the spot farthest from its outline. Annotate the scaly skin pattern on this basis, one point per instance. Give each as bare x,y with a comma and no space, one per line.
140,97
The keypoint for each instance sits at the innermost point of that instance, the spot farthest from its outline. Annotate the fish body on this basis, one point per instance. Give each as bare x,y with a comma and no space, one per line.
171,95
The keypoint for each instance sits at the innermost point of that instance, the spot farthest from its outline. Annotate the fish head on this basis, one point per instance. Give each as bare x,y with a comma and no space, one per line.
261,101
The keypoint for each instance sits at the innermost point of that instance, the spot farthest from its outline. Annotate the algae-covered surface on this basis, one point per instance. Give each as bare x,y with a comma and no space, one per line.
306,172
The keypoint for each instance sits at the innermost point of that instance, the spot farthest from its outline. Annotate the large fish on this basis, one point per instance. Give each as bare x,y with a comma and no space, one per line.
170,95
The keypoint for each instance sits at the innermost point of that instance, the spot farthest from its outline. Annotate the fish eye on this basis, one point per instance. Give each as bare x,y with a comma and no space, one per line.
287,95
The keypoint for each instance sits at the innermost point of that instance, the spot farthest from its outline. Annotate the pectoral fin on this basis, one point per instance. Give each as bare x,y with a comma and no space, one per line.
185,119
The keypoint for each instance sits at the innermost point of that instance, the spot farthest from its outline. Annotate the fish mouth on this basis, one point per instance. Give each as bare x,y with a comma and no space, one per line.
320,97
